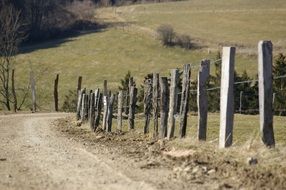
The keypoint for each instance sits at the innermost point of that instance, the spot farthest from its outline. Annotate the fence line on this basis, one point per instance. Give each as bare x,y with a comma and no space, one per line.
158,97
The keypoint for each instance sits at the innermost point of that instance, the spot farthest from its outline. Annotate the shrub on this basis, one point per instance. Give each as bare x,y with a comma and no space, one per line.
166,35
184,41
70,102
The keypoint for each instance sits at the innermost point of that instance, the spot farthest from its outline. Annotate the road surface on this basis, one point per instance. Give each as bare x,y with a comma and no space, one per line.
33,156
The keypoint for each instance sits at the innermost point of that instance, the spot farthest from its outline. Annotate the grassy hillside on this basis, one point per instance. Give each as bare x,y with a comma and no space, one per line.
110,53
215,22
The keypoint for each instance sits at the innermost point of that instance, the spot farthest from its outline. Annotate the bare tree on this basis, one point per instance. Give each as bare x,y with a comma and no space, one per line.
10,37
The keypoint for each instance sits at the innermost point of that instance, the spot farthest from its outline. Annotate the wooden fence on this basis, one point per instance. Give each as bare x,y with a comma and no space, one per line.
161,100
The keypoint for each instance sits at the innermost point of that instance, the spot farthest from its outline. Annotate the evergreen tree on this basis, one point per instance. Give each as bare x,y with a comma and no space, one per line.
279,69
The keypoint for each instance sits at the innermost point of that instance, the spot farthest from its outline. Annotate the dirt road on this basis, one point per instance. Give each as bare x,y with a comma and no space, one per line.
33,156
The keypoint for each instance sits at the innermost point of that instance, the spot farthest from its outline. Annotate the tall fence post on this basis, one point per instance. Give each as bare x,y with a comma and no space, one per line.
79,104
240,102
173,102
98,110
132,105
202,99
119,111
164,106
147,104
83,107
56,93
33,89
79,82
265,92
109,114
105,104
155,102
92,110
86,106
185,100
227,97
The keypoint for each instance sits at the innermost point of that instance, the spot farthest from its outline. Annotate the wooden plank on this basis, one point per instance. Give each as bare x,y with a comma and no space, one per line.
147,104
202,99
185,100
119,111
155,96
227,97
56,93
266,92
110,114
132,106
173,102
164,106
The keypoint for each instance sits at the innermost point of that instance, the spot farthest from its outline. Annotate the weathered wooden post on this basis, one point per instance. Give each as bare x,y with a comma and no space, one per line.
79,82
227,97
92,110
202,99
172,102
155,103
33,89
185,100
105,104
15,104
265,92
240,101
164,106
147,104
109,114
79,104
56,93
98,110
119,111
132,106
86,107
83,107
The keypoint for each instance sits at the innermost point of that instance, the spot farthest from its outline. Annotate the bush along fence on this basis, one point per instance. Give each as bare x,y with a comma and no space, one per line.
167,99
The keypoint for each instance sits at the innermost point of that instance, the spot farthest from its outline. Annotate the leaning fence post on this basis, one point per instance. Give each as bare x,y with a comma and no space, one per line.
164,106
132,105
265,92
227,97
185,100
56,93
155,102
119,111
109,114
202,99
173,102
147,104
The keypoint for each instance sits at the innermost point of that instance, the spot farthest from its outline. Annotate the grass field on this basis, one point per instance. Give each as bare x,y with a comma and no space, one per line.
216,22
110,53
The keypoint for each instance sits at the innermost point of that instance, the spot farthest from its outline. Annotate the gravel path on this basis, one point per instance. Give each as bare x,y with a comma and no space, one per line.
32,156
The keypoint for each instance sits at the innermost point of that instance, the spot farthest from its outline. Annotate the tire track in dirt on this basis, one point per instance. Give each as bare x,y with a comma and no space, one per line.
34,157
